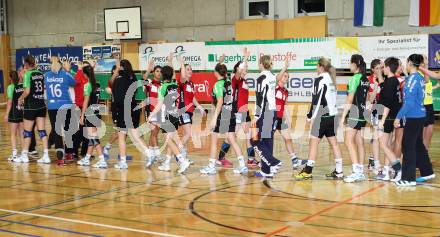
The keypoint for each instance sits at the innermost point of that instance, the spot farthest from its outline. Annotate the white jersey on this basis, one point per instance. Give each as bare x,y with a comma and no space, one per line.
323,98
265,93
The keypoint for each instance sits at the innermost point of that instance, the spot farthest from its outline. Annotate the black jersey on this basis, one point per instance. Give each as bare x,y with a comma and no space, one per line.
34,80
16,112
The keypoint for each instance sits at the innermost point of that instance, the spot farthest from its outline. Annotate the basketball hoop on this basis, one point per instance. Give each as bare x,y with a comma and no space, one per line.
117,36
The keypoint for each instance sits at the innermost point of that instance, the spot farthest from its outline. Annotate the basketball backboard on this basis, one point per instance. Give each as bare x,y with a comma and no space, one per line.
123,23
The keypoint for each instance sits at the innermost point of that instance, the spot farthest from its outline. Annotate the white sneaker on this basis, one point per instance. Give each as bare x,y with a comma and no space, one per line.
425,178
208,170
354,177
404,183
149,161
397,176
43,160
165,166
17,159
83,162
121,165
382,176
12,157
274,169
101,164
183,166
241,170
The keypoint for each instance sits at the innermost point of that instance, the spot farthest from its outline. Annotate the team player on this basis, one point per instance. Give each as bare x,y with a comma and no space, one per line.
376,82
322,115
152,92
14,112
60,96
223,120
91,119
414,113
354,110
168,112
34,110
429,106
389,100
242,117
114,137
263,121
283,121
187,104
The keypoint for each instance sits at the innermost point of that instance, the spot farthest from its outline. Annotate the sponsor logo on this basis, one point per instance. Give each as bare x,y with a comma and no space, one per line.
192,60
202,88
437,57
231,58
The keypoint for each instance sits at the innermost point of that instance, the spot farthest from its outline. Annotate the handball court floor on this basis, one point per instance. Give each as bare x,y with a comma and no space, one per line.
46,200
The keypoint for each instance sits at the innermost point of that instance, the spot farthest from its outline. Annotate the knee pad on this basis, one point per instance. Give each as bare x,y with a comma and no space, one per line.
42,133
225,147
27,134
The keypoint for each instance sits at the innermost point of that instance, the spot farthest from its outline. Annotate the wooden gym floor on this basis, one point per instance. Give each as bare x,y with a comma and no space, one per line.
43,200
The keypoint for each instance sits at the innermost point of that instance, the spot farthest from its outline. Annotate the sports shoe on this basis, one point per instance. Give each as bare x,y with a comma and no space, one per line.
183,166
208,170
303,175
296,163
382,176
165,166
425,178
191,162
121,165
274,169
69,157
225,162
335,175
33,153
397,176
43,160
60,154
261,174
106,151
17,159
11,158
61,163
252,163
404,183
149,161
241,170
354,177
101,164
83,162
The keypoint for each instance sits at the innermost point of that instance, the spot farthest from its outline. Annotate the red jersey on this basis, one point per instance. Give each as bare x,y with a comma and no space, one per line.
373,80
242,93
152,93
281,95
81,80
186,96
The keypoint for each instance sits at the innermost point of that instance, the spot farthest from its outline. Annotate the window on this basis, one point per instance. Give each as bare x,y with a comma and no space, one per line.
255,9
305,7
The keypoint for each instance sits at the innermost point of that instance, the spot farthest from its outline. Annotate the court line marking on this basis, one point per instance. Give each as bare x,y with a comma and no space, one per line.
91,223
337,204
51,228
18,233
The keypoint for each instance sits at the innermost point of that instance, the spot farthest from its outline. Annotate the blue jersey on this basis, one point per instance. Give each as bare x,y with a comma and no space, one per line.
413,96
59,89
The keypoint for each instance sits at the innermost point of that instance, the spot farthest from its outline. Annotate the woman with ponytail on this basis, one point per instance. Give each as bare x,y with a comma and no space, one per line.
353,117
413,113
322,115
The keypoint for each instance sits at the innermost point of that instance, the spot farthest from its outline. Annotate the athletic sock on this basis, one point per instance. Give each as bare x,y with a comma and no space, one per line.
211,163
14,152
180,157
386,170
293,156
156,151
87,157
46,152
361,169
377,164
101,158
354,167
338,165
108,146
241,161
123,159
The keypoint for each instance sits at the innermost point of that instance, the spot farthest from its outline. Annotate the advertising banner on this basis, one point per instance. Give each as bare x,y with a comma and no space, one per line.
103,55
303,54
193,54
380,47
43,55
434,51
